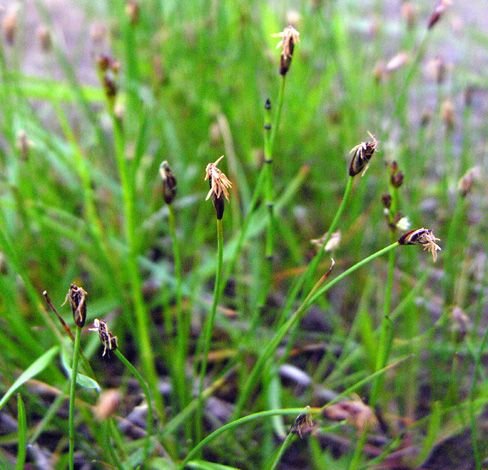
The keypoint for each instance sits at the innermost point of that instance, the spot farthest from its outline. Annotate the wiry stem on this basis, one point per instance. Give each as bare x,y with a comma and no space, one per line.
209,322
72,392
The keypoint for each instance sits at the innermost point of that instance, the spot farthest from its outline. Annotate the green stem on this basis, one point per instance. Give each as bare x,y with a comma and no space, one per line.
312,267
450,259
72,390
185,414
403,93
108,430
236,423
289,439
317,291
385,329
472,408
276,124
147,394
142,320
22,435
182,321
207,338
291,411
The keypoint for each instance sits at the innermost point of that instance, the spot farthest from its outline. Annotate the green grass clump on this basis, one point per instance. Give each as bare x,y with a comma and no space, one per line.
239,342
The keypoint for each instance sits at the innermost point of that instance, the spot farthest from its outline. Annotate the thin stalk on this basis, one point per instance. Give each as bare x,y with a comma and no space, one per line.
142,320
71,422
472,408
354,463
236,423
182,321
403,93
147,394
270,131
276,123
22,436
386,323
450,262
286,412
289,439
207,335
185,414
317,291
312,267
108,431
385,329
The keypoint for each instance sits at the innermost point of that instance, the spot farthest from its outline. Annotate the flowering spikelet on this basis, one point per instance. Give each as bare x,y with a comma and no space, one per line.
422,236
467,181
77,301
108,340
362,155
302,424
289,37
218,187
437,13
169,182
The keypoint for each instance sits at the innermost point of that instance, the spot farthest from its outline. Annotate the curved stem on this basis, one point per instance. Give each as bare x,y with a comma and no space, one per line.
237,423
72,390
313,295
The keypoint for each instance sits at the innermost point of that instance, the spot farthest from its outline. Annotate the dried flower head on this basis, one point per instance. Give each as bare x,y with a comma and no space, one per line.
302,424
409,13
461,324
362,155
403,224
44,38
23,144
397,62
332,244
169,182
108,404
448,113
108,340
355,412
9,23
422,236
437,13
218,187
132,11
289,37
77,301
466,182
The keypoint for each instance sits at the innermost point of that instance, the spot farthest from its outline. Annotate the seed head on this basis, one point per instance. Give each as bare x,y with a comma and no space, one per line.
289,37
108,404
77,301
397,62
362,155
437,13
332,244
108,340
218,187
169,182
466,183
422,236
302,424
